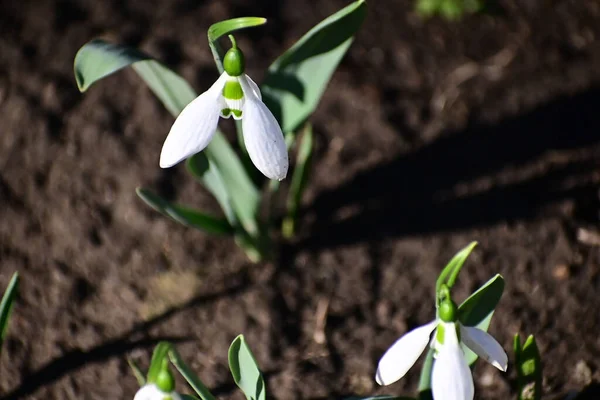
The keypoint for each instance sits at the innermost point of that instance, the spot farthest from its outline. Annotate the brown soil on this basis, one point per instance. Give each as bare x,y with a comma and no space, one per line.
432,134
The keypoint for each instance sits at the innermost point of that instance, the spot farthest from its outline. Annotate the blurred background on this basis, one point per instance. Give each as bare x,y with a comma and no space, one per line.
432,133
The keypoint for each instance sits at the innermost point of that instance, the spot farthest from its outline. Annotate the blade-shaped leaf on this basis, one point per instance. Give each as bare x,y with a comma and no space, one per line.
299,180
245,371
297,79
226,27
137,372
184,215
205,171
98,59
6,305
158,358
478,309
188,397
425,379
91,64
529,368
189,376
450,272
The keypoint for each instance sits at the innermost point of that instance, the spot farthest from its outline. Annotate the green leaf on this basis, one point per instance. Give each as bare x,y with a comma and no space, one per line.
245,198
297,79
205,171
222,28
6,305
226,27
478,309
188,397
158,358
172,90
450,272
189,375
137,372
299,180
245,371
98,59
425,379
529,368
92,63
184,215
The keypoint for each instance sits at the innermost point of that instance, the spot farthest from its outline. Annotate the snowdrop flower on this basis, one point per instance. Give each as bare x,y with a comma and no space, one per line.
235,95
451,377
162,389
153,392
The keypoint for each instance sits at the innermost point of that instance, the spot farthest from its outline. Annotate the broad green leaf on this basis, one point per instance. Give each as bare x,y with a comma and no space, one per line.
226,27
529,368
208,174
425,379
137,372
172,90
296,81
190,377
244,195
478,309
98,59
188,397
158,358
451,270
6,305
299,180
186,216
245,371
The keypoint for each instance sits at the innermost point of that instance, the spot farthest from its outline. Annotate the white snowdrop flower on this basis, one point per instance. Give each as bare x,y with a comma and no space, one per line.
233,94
451,377
153,392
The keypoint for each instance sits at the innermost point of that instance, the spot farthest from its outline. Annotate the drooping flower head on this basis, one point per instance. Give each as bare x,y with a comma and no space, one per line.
162,389
451,377
235,95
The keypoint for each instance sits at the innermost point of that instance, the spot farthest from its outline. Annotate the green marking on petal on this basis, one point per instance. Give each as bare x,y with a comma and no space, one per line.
226,112
237,113
440,332
233,90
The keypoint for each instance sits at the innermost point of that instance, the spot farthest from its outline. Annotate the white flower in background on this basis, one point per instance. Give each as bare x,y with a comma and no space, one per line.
451,377
233,94
153,392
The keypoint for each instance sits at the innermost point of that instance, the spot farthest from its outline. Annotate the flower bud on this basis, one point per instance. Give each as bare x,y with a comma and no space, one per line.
234,62
448,310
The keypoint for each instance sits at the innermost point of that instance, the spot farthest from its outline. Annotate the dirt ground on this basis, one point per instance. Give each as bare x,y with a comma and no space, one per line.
431,134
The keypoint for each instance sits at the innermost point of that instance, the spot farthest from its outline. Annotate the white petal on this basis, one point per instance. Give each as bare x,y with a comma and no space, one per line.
451,378
254,87
195,126
485,346
262,136
149,392
402,355
152,392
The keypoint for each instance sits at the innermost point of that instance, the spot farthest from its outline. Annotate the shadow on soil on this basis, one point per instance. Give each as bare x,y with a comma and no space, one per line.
117,347
477,177
591,392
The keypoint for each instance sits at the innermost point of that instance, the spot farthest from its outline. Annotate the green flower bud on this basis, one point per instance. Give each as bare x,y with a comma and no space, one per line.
234,62
448,310
165,381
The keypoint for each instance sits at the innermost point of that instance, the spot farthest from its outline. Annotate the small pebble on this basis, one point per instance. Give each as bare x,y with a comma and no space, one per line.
561,272
582,374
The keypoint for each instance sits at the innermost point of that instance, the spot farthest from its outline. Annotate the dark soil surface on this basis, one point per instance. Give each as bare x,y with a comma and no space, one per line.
431,134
